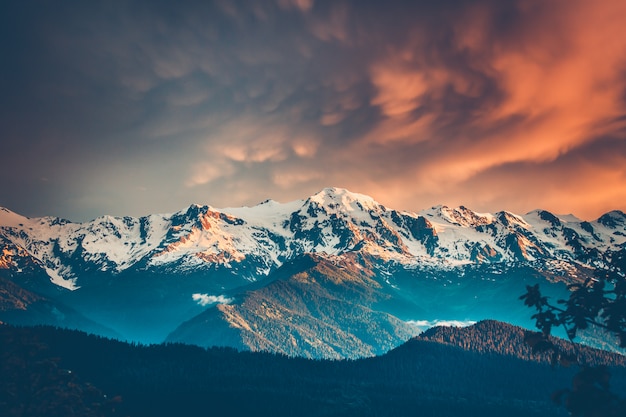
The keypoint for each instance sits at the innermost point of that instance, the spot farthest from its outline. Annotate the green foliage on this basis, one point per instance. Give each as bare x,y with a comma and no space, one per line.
599,302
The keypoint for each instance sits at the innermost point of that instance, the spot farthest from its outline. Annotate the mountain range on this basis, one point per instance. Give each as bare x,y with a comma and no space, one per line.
336,275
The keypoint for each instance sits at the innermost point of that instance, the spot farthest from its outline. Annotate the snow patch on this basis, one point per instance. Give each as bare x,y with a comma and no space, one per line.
57,279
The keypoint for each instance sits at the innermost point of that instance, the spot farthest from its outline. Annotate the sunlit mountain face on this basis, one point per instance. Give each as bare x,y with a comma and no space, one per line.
335,275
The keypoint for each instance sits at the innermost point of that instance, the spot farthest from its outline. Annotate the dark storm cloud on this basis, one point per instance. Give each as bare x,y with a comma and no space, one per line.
133,107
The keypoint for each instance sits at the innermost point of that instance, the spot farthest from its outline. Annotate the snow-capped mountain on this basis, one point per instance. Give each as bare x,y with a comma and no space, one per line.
143,277
257,240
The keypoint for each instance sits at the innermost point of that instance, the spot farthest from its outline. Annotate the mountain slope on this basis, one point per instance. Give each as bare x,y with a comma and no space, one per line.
314,307
22,307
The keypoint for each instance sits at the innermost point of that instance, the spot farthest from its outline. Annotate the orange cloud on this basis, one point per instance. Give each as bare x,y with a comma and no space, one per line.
565,77
560,77
208,171
287,178
304,147
398,89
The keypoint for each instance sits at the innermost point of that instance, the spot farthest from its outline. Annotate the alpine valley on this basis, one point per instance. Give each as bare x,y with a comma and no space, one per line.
337,275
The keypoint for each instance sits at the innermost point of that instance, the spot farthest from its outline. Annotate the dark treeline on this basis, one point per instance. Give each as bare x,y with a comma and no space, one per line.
48,371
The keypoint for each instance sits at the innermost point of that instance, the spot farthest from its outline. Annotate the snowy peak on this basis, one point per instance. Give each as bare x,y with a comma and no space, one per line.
509,219
337,221
201,235
11,219
342,200
613,220
547,219
461,216
268,214
336,205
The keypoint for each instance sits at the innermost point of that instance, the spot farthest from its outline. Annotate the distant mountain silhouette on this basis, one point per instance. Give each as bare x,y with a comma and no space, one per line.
20,306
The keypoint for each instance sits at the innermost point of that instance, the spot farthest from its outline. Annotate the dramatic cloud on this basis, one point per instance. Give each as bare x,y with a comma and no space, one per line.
143,106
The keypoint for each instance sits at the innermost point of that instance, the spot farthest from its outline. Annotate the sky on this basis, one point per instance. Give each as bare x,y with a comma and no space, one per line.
136,107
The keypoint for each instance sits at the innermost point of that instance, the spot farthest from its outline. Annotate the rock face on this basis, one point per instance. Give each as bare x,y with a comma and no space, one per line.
144,277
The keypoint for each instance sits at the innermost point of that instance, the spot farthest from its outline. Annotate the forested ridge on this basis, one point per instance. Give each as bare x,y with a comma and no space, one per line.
494,337
48,371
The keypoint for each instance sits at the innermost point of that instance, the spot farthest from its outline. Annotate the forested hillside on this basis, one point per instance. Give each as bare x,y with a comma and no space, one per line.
47,371
494,337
